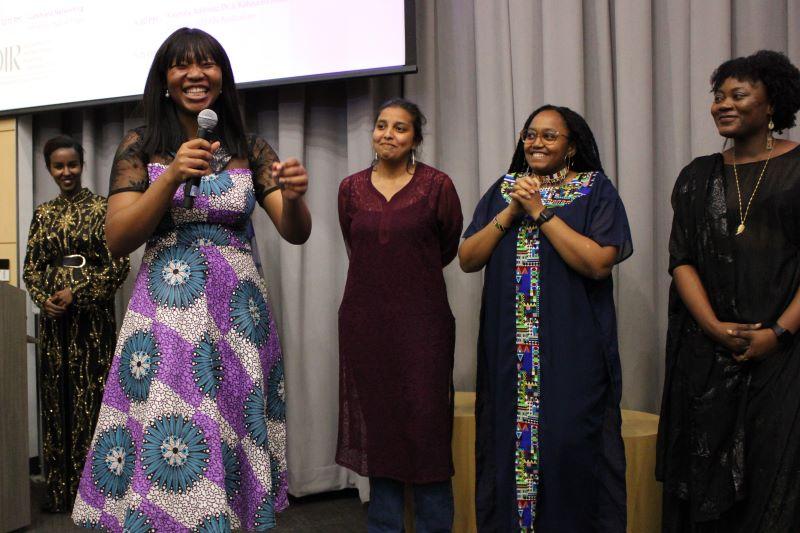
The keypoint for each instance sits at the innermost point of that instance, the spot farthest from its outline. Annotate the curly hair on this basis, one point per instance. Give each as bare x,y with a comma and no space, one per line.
61,141
587,155
780,77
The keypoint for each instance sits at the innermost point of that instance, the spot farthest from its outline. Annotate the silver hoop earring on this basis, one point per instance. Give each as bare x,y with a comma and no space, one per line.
413,157
528,170
375,159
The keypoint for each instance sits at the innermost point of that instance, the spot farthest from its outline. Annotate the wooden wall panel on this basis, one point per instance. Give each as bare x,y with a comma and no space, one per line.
8,197
15,509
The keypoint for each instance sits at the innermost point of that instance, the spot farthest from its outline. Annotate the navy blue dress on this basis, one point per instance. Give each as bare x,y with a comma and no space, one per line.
581,470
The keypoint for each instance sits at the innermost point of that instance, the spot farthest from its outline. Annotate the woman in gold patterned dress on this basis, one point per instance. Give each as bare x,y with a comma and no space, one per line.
70,275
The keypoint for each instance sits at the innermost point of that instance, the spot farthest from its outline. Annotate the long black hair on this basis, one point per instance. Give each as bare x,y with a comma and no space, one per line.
587,156
164,133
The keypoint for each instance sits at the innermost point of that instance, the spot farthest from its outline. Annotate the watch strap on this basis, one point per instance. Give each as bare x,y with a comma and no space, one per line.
785,337
544,216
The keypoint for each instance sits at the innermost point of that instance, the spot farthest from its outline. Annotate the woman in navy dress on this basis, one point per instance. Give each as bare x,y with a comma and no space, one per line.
549,445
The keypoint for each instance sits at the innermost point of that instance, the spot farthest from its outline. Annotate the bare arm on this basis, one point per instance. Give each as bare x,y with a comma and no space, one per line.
279,188
581,253
476,249
132,215
288,210
763,342
694,296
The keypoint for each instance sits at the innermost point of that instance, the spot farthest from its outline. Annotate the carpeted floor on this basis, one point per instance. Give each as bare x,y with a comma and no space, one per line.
331,512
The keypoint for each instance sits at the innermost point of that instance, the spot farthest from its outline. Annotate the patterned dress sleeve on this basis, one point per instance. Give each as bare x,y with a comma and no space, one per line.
129,170
608,222
449,219
38,272
102,276
260,157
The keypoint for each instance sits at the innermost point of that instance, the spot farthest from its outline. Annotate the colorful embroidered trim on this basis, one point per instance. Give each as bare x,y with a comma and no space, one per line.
528,351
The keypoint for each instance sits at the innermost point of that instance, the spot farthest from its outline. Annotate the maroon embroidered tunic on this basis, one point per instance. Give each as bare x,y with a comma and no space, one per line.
396,331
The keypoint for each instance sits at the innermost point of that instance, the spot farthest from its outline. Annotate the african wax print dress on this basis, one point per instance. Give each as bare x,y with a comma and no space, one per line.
75,350
549,451
192,433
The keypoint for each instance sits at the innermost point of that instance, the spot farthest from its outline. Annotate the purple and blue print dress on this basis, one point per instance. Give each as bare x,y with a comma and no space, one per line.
191,434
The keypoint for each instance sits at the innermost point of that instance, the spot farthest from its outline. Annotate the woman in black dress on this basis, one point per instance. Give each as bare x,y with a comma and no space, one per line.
72,278
729,436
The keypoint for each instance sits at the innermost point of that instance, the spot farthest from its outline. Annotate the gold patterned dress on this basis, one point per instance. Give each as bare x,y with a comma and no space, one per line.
76,349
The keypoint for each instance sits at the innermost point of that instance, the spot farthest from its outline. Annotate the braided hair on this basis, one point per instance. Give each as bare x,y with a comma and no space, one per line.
587,155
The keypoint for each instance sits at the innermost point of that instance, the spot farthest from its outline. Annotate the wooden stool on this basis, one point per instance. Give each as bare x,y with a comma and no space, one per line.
638,432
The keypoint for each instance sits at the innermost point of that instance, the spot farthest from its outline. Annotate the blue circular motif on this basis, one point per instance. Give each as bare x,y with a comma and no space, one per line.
137,522
215,184
276,393
112,461
249,313
174,453
202,234
255,419
214,524
138,364
177,276
207,366
242,236
265,515
275,475
92,524
233,470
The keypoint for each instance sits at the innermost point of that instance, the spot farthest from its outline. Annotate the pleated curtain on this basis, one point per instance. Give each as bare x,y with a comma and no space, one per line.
638,70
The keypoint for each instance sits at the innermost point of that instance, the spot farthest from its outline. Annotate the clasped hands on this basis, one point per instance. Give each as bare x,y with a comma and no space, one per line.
746,341
193,160
57,304
526,197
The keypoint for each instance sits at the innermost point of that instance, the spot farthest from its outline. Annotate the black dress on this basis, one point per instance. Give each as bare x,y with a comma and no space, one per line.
729,435
75,349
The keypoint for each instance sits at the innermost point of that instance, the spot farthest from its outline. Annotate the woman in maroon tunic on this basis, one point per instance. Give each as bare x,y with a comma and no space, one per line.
401,221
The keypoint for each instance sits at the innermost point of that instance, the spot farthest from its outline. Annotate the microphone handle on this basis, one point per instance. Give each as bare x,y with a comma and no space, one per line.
194,183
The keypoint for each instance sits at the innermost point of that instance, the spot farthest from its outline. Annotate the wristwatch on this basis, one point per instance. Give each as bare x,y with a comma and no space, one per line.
785,336
544,216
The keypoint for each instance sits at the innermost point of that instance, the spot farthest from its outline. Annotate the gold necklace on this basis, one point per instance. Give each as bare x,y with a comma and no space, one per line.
743,217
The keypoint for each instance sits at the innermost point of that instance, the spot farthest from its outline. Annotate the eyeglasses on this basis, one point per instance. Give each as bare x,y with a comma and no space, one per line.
547,136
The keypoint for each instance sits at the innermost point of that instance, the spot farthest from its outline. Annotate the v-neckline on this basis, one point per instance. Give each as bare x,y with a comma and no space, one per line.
401,189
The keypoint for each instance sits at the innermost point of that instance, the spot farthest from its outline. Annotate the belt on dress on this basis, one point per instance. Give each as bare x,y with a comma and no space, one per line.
70,261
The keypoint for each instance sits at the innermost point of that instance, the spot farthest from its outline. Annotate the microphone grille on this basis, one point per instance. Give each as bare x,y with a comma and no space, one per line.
207,119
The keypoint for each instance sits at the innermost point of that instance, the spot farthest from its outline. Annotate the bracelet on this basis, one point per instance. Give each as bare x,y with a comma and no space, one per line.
498,225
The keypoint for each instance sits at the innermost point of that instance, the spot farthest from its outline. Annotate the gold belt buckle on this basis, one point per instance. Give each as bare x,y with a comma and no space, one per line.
82,258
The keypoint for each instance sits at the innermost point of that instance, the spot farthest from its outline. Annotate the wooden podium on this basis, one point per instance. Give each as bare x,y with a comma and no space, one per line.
15,505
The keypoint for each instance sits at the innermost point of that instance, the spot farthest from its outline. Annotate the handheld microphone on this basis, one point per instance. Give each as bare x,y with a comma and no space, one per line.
206,122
